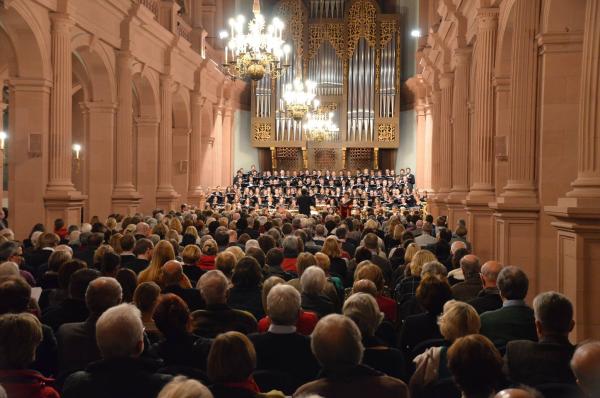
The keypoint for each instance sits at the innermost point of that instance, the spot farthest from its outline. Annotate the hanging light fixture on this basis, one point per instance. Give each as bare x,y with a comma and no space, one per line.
320,125
299,98
257,53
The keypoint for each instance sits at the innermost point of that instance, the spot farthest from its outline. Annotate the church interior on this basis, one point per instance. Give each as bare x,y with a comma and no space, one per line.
350,197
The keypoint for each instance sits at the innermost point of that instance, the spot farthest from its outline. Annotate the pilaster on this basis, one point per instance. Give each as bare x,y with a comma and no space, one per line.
166,196
195,185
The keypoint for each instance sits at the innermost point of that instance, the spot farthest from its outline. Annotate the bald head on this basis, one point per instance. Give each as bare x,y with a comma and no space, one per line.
172,272
489,273
470,265
586,367
518,393
457,245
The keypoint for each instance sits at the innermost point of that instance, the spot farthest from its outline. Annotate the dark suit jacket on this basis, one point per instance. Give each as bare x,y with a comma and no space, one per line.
86,253
137,265
127,259
487,300
418,328
247,299
509,323
532,363
35,258
192,297
304,203
68,311
77,345
319,304
385,266
298,361
359,382
220,318
117,378
467,290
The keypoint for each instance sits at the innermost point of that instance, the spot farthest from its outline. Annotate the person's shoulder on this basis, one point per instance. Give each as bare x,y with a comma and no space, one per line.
394,385
312,387
75,382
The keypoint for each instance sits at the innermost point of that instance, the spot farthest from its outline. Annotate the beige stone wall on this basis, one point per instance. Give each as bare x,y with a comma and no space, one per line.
513,89
136,84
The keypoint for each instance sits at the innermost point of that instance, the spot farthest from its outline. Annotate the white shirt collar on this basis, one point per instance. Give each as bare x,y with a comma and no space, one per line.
282,329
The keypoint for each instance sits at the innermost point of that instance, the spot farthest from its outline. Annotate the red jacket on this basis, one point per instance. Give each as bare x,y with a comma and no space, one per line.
207,262
27,384
289,265
304,325
388,306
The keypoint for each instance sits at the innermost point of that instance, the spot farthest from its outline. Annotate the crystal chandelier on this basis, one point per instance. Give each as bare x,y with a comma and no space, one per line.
299,98
320,125
257,53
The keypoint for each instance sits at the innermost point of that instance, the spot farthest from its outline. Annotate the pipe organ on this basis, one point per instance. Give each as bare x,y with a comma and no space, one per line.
352,51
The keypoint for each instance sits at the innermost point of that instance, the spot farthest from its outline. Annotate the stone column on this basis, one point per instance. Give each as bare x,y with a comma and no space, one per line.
460,137
420,145
195,185
428,146
516,210
166,196
125,198
61,199
482,191
578,214
227,173
3,107
445,145
436,112
217,147
147,161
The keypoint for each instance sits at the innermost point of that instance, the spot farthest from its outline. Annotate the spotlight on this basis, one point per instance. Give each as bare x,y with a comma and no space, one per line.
415,33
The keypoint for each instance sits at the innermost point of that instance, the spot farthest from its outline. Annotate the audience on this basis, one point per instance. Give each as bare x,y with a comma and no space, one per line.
182,387
586,367
313,282
472,285
488,299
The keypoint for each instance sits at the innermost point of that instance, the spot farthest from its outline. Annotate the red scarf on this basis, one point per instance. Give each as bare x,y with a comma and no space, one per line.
248,384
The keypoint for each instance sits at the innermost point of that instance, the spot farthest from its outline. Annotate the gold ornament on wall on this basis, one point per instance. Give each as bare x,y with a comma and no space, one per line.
361,23
386,132
292,11
262,131
332,32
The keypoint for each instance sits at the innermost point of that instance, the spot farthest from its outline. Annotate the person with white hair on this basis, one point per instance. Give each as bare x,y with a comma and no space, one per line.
336,343
86,227
8,268
312,285
297,362
434,268
363,309
251,243
77,341
121,372
218,317
182,387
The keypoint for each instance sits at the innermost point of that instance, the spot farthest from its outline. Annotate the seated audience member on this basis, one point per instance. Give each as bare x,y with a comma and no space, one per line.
425,238
458,319
273,262
386,304
121,372
378,258
546,361
515,320
46,243
434,268
111,262
128,281
145,298
332,249
15,297
77,341
73,308
127,243
407,288
225,262
209,253
298,362
182,351
521,392
53,297
182,387
476,366
303,261
163,252
433,292
20,336
313,283
143,254
49,278
306,320
190,256
336,343
364,311
174,281
218,317
472,285
488,299
233,379
586,367
291,250
246,292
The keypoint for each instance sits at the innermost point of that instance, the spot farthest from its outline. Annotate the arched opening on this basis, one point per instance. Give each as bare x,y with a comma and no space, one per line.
181,137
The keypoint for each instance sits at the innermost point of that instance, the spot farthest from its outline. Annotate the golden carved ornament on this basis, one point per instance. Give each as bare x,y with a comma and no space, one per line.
386,132
293,14
262,131
361,23
388,29
332,32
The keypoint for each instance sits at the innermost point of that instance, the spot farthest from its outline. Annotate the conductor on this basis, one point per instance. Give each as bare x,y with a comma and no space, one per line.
304,203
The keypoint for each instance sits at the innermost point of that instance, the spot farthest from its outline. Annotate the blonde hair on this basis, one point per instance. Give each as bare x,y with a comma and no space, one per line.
191,230
210,247
331,247
163,252
111,223
225,262
20,335
323,261
100,252
373,273
176,225
237,252
459,319
398,232
182,387
304,261
191,254
410,252
420,258
115,243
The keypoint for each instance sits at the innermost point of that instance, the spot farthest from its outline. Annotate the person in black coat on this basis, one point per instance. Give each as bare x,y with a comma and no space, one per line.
143,253
174,281
547,360
304,203
121,372
281,348
246,292
488,299
273,262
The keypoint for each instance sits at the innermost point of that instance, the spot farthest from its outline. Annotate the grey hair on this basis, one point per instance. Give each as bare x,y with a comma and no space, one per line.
554,311
8,268
103,293
119,332
251,243
313,280
336,342
362,308
434,268
283,305
213,286
290,243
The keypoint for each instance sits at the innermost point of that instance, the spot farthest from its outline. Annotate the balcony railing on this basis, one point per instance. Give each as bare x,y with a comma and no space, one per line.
152,5
183,29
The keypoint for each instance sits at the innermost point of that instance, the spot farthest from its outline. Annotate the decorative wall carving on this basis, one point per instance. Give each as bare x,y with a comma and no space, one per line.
359,158
386,132
325,158
361,23
293,12
332,32
262,131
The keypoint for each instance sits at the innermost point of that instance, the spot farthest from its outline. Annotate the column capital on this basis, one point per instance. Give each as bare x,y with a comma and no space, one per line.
32,85
149,121
61,21
463,55
446,80
98,106
198,99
